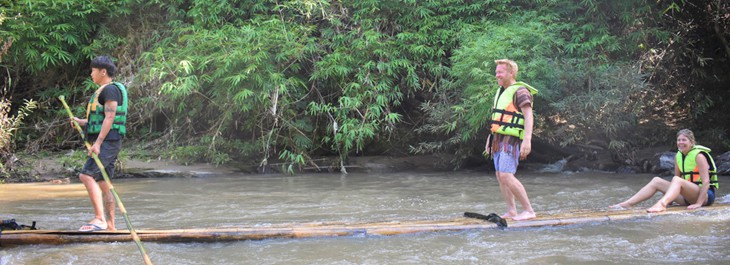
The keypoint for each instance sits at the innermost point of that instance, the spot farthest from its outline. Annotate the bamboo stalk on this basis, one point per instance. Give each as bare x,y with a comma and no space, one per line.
135,237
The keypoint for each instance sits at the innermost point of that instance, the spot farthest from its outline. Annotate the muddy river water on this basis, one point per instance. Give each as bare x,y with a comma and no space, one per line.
235,200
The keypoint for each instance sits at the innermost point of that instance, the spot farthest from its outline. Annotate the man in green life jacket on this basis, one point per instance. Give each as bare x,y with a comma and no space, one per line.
511,136
105,127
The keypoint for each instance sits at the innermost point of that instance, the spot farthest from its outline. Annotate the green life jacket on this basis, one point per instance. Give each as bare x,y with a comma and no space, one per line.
507,118
95,112
689,170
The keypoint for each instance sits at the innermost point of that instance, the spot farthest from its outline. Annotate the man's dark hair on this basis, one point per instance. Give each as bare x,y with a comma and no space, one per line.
104,62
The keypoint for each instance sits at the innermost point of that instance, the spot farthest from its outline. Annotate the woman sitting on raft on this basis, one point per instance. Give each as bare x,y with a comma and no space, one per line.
693,184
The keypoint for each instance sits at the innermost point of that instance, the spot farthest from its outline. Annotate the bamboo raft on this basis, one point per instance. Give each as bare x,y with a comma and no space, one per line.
330,229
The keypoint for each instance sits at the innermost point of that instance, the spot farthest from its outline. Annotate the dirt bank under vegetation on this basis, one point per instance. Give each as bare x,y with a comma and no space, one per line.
52,168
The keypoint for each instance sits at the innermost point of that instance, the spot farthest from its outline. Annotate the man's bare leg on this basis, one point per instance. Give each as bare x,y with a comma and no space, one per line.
96,198
508,197
109,205
517,190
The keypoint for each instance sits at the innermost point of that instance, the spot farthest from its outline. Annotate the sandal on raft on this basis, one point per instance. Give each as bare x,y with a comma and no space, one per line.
92,227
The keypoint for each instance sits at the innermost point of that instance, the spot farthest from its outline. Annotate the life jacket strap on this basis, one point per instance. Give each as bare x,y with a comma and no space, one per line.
509,124
506,112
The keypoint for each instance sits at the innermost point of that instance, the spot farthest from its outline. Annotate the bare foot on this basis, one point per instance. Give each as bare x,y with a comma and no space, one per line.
620,206
524,216
508,215
658,207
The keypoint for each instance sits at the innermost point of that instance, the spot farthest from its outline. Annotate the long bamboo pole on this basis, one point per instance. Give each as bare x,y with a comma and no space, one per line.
108,182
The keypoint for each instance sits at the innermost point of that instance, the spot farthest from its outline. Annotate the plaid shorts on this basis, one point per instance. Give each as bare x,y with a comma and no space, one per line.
507,161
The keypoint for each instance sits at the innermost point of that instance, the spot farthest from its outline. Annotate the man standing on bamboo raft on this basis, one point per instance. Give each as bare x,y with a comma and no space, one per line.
511,135
694,182
106,116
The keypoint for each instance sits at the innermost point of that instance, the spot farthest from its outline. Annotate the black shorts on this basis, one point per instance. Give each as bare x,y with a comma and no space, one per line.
710,197
108,156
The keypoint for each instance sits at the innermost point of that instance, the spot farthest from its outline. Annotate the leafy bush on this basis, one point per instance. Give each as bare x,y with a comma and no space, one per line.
240,80
9,125
190,154
73,161
602,105
462,113
49,34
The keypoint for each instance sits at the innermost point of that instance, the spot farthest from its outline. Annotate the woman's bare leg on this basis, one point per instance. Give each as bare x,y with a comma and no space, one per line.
677,188
656,184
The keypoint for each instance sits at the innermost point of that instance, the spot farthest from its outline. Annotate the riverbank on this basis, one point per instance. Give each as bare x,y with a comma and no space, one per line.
56,168
64,167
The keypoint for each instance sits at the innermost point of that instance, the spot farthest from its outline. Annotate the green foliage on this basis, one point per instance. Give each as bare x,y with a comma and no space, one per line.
74,160
335,93
609,94
235,79
209,150
190,154
391,50
245,80
563,49
463,113
9,125
53,33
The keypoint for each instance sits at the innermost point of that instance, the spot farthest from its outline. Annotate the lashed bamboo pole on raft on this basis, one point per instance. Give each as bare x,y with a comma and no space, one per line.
108,182
336,229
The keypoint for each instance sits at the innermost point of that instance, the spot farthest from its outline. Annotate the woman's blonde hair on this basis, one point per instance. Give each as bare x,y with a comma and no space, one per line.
687,133
510,64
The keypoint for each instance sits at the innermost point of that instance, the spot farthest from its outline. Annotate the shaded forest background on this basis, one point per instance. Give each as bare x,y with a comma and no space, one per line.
287,82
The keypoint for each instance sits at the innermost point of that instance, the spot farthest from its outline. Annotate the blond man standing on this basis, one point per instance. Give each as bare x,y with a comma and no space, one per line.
511,135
